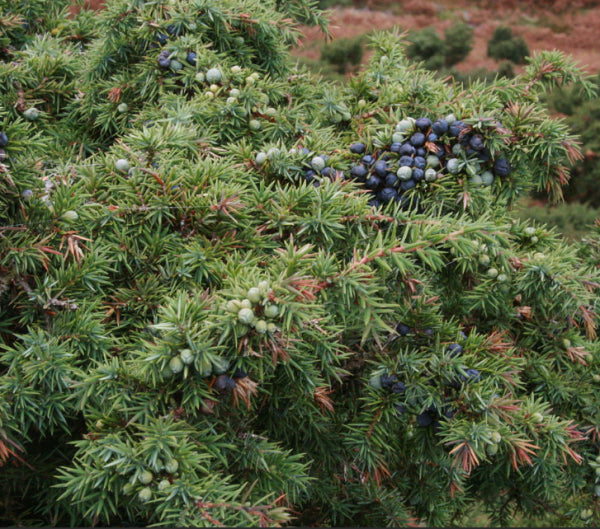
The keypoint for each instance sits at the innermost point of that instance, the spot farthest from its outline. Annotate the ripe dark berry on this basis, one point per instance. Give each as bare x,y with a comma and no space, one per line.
400,409
420,162
395,147
374,203
406,150
463,336
424,419
454,350
417,139
161,38
402,329
224,383
391,180
373,182
484,155
406,161
473,375
476,142
387,194
387,380
357,148
465,139
3,139
456,128
432,136
381,168
191,58
421,152
502,167
407,184
239,373
440,127
309,175
367,159
326,171
398,387
359,172
172,30
418,174
423,124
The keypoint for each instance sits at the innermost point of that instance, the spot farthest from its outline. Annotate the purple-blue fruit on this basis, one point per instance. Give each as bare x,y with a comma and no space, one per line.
456,128
373,182
402,329
3,139
420,162
421,152
476,142
391,180
424,419
454,350
398,387
359,172
407,184
381,168
374,203
440,127
432,136
502,167
406,161
417,139
358,148
406,150
387,194
418,174
191,58
388,380
368,159
326,171
423,124
395,147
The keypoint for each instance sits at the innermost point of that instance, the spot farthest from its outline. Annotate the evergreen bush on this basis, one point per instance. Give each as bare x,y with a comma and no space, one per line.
226,297
343,54
505,45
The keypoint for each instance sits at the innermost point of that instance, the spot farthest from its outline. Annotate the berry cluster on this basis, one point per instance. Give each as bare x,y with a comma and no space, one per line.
418,153
256,304
432,415
422,151
147,478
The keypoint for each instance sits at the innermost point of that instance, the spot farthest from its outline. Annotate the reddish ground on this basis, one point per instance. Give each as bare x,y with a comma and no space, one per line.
574,30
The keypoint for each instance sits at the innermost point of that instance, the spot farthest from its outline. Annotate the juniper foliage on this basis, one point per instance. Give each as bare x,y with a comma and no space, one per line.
194,334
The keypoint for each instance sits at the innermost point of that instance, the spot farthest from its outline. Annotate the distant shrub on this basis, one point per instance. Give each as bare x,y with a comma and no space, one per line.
505,45
458,43
343,54
426,46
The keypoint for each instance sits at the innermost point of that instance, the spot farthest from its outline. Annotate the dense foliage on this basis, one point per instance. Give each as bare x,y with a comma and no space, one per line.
436,53
209,316
504,44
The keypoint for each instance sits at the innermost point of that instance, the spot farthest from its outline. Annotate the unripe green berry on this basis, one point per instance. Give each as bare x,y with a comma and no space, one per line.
430,175
200,77
261,158
502,278
476,180
534,239
127,489
122,165
453,166
495,437
233,306
261,326
123,107
263,286
433,161
236,68
586,514
375,381
450,118
187,356
231,100
176,365
254,295
404,173
213,88
529,231
271,311
245,304
176,65
487,178
399,137
492,449
539,256
317,163
145,477
31,114
566,343
484,259
404,125
537,417
271,327
145,494
69,216
271,112
163,484
361,103
209,94
492,273
171,466
254,124
246,316
213,75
